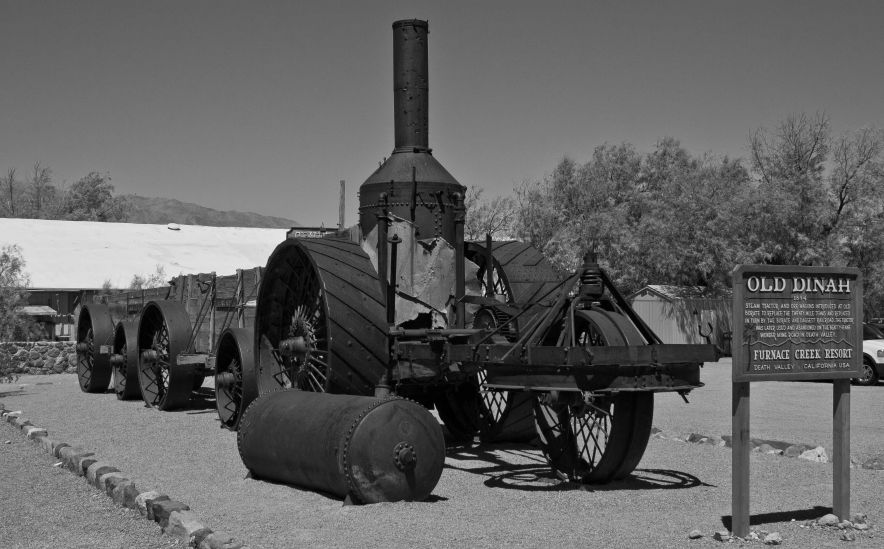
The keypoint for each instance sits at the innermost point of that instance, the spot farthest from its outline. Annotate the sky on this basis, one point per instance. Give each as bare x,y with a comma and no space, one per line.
265,106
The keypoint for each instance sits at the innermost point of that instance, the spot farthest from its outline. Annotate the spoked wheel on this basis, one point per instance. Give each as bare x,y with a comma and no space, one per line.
125,360
235,383
95,333
595,438
519,274
163,333
320,319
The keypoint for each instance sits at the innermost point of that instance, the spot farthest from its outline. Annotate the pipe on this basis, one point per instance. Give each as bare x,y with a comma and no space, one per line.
459,264
410,85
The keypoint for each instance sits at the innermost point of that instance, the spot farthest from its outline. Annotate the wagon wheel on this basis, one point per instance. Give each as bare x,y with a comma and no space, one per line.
125,360
235,382
595,437
163,333
519,275
95,332
320,319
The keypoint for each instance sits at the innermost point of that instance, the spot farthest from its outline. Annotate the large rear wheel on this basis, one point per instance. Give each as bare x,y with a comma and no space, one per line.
589,437
125,360
95,335
320,320
163,333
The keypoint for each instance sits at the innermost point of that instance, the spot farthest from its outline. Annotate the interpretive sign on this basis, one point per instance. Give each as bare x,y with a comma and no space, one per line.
794,323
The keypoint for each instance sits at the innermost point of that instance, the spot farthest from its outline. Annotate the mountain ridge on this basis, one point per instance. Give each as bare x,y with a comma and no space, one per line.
155,210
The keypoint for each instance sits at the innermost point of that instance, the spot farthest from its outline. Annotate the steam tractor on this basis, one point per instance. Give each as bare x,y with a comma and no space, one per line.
356,336
487,332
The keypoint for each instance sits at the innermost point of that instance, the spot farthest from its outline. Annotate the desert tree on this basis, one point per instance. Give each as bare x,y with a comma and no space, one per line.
91,198
487,217
13,294
10,194
153,280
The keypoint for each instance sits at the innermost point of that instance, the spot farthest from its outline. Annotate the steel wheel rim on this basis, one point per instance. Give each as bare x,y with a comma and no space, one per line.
305,298
574,437
121,369
85,358
494,403
574,432
230,396
591,426
157,371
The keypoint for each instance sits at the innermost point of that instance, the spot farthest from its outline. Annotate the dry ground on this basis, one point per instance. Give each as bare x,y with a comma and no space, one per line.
491,495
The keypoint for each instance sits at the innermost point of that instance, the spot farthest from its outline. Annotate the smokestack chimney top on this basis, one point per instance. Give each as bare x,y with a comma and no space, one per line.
411,23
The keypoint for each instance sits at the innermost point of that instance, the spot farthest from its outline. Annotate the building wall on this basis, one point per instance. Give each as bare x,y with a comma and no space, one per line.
675,322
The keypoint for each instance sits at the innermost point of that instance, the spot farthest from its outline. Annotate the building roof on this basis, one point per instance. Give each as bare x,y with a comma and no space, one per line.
671,293
36,310
85,254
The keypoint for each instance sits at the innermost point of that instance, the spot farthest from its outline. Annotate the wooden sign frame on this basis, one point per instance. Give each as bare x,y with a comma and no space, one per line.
796,323
804,348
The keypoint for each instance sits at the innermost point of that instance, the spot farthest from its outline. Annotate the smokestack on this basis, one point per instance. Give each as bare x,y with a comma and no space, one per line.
410,85
411,184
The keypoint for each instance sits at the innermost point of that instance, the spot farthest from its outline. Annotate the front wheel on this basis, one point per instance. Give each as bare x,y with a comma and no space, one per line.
594,439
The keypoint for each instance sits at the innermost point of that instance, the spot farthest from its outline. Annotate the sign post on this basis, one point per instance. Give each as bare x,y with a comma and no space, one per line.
794,323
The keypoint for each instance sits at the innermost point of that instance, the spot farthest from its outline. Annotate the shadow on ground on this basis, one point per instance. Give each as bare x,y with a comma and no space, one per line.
781,516
505,467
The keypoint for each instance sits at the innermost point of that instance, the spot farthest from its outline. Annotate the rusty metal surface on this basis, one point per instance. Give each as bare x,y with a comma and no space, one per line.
125,360
417,187
369,449
164,329
95,334
512,273
525,274
326,291
411,84
236,383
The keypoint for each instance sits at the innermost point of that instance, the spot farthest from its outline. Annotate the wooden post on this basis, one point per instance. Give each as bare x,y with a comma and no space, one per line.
239,300
740,447
841,448
211,297
341,206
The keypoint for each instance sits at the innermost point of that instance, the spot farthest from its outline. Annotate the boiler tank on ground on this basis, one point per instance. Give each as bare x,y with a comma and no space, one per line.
369,449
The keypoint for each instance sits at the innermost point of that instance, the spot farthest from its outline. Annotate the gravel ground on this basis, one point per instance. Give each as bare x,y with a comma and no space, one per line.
46,506
780,410
489,495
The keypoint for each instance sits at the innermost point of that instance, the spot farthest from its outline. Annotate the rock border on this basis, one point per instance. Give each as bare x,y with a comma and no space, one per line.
787,449
174,517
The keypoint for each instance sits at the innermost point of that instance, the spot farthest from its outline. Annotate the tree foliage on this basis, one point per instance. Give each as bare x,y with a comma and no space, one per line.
484,217
632,210
13,294
804,197
90,198
154,280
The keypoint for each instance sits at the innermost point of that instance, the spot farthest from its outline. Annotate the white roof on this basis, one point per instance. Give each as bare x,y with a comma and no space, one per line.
84,254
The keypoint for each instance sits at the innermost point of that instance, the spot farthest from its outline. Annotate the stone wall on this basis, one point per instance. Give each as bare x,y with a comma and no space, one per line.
37,357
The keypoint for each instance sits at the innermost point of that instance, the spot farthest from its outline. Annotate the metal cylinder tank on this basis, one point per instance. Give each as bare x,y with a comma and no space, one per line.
369,449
